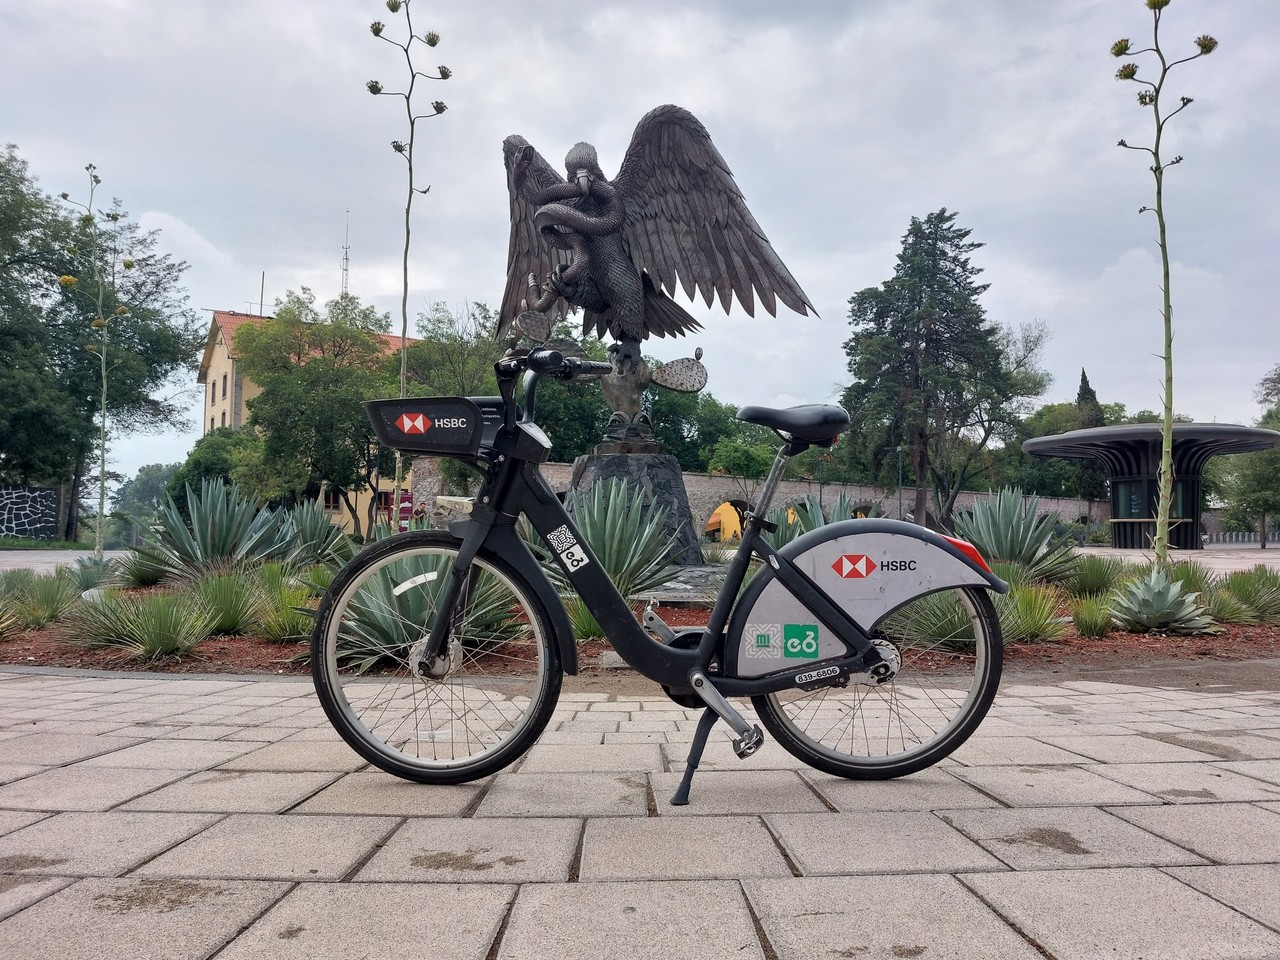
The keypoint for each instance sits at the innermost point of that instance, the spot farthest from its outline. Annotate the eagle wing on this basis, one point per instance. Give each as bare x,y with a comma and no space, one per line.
527,252
687,220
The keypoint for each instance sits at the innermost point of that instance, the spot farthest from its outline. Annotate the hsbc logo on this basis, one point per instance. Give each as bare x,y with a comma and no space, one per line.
854,566
413,423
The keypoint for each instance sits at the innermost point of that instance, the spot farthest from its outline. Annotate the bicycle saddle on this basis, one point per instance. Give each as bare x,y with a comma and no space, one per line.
812,422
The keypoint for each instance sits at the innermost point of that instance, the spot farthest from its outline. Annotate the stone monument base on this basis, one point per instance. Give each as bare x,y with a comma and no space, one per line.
661,479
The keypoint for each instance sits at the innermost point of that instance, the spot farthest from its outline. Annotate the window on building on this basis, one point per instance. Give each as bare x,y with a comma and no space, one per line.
211,423
224,386
224,418
331,500
213,393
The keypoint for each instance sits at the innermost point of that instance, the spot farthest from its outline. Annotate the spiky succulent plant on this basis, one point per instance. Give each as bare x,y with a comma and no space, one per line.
1157,604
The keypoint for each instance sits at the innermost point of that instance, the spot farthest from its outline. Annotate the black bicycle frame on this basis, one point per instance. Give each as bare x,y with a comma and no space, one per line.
513,486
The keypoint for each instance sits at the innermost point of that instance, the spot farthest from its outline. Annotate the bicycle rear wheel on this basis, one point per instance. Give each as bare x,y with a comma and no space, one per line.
950,651
484,702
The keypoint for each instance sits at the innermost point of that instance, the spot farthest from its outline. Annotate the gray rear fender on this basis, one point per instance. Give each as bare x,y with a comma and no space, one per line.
867,567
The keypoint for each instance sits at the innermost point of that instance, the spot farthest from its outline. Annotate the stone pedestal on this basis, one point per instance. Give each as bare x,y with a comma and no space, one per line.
660,477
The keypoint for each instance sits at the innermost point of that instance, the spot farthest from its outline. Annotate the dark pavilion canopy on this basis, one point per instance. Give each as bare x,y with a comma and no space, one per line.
1131,453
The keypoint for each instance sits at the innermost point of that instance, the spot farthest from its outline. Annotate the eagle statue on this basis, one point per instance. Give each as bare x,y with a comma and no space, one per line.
616,249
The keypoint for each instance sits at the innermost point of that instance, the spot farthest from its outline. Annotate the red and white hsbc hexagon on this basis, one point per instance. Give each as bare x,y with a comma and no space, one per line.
854,566
410,423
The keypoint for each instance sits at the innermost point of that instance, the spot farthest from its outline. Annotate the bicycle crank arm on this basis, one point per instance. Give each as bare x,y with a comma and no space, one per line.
750,738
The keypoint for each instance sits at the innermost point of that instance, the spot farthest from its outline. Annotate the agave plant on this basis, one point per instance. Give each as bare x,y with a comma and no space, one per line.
1096,574
381,623
89,572
313,538
148,627
234,600
1154,603
142,568
1007,526
45,598
628,539
1225,607
1029,614
226,532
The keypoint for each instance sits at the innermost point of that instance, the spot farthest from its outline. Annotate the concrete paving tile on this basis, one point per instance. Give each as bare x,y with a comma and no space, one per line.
375,792
706,920
1226,832
295,755
234,791
135,919
96,844
988,751
171,755
930,789
1131,913
604,725
577,737
169,730
16,771
11,820
933,917
1132,748
1250,889
82,788
1268,770
566,795
1049,786
637,737
318,920
55,749
624,848
737,792
1046,838
646,725
493,850
852,844
1227,744
19,892
621,757
1189,782
613,706
262,847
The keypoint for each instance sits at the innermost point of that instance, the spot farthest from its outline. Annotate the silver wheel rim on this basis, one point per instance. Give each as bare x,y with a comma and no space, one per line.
905,717
481,708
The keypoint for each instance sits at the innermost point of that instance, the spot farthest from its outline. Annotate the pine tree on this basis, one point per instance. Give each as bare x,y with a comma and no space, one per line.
1093,478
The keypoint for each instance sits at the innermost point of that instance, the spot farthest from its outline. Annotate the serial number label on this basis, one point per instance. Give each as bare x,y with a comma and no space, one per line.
813,675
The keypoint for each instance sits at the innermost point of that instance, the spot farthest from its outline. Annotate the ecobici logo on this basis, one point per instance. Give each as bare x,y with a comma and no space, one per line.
800,640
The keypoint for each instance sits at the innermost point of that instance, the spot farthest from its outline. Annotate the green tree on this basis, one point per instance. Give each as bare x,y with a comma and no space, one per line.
1093,476
315,370
1268,392
455,354
212,458
1151,96
744,461
50,404
930,371
1251,486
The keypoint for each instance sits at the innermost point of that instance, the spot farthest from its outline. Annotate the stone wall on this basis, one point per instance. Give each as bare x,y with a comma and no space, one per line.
30,512
707,492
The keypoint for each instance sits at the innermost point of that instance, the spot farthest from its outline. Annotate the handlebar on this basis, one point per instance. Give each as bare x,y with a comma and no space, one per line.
552,363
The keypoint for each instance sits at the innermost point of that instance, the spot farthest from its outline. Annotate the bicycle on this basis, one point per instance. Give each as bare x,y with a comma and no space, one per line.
870,648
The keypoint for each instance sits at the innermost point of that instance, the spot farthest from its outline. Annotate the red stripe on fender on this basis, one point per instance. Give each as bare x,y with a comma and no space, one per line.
969,550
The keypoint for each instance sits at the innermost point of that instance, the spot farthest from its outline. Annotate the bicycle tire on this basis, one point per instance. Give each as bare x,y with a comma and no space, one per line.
504,672
951,653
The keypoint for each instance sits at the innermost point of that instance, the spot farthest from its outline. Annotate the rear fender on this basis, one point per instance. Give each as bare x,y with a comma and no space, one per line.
867,567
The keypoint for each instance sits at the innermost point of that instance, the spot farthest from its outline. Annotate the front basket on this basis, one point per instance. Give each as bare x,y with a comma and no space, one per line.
428,425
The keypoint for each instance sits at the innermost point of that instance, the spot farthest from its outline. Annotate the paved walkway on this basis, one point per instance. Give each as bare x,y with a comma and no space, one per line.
169,817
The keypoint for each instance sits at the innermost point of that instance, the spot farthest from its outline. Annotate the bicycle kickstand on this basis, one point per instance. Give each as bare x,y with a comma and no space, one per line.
705,723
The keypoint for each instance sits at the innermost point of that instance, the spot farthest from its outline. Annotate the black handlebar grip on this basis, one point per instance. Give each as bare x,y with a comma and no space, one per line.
578,367
545,361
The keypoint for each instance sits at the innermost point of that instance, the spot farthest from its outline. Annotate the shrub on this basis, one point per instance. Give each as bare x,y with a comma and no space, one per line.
1259,589
141,568
1006,526
10,624
234,601
148,627
1029,614
1091,615
1095,575
1154,603
1225,607
1014,574
1192,577
89,572
15,583
45,599
285,617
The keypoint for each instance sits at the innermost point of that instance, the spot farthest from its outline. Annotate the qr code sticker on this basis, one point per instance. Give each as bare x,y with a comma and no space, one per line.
762,640
561,540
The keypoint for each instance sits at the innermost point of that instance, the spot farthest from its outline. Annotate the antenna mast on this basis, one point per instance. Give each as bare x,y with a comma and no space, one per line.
346,253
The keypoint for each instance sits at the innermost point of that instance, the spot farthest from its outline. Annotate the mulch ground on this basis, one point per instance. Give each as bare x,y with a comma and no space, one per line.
251,655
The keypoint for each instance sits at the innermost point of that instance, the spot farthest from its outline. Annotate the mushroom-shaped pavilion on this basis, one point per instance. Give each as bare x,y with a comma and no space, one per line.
1131,453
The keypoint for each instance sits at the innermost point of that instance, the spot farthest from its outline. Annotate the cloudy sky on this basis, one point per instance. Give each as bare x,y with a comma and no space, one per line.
243,131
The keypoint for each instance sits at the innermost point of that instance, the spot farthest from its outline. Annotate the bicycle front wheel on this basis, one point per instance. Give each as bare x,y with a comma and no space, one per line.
479,706
949,648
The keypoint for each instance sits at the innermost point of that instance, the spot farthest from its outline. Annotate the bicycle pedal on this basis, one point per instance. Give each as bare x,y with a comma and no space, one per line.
656,625
749,743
